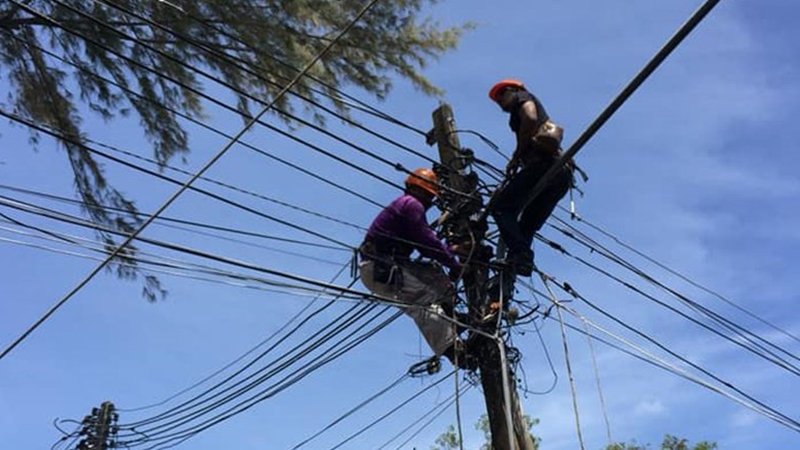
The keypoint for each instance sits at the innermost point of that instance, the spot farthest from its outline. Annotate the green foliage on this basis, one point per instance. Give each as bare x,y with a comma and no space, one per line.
449,439
670,442
53,54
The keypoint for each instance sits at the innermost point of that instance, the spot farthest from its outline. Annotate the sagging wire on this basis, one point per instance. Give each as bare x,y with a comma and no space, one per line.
674,272
392,411
443,406
770,356
244,355
567,361
351,411
756,404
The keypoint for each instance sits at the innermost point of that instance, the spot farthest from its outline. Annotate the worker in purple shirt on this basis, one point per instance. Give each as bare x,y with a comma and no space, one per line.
387,268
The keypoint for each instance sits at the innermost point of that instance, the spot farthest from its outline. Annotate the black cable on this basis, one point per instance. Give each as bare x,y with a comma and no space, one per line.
173,220
222,82
360,105
354,409
728,324
275,389
347,293
163,177
774,414
254,70
678,274
260,344
442,406
82,67
298,168
190,409
775,359
392,411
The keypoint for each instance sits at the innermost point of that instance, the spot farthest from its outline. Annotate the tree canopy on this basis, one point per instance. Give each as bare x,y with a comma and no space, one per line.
155,60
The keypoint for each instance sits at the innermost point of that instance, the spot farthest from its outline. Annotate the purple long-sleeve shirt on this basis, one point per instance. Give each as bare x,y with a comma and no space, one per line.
402,228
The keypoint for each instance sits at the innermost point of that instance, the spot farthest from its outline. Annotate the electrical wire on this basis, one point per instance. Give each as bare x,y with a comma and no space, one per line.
191,223
679,275
169,440
570,376
156,174
660,363
256,120
80,66
256,71
728,324
442,406
392,411
600,395
351,411
773,413
259,345
770,356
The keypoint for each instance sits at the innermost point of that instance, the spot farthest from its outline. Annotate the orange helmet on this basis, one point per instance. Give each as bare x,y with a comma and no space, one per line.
494,92
423,178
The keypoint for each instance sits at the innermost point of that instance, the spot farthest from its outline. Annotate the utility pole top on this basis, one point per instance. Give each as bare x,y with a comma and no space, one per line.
465,226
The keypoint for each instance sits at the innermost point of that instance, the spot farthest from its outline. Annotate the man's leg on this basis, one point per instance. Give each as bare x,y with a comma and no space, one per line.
426,288
535,215
506,208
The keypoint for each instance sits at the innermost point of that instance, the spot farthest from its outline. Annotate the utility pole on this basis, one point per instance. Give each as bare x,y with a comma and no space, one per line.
465,225
98,427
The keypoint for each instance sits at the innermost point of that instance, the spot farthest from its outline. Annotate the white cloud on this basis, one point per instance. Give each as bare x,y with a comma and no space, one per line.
650,407
744,418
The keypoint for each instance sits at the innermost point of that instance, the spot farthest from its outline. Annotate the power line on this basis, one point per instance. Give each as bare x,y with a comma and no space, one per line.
390,412
80,66
771,357
728,324
169,440
352,410
256,71
173,220
442,407
163,177
678,274
216,79
622,97
775,414
169,201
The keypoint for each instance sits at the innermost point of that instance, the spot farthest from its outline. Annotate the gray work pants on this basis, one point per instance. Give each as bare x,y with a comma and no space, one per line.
424,288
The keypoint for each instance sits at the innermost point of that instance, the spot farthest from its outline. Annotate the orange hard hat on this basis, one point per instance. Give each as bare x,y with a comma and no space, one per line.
423,178
494,92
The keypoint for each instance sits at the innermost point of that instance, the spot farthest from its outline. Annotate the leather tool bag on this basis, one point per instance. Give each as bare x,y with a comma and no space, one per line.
384,269
548,137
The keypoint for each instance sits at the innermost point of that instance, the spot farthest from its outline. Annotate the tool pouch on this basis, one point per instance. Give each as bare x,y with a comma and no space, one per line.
384,269
548,137
387,272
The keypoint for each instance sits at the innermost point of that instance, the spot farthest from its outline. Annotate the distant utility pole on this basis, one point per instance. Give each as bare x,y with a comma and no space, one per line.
98,427
465,226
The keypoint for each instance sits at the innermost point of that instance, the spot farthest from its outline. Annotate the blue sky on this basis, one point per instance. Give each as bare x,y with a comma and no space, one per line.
697,170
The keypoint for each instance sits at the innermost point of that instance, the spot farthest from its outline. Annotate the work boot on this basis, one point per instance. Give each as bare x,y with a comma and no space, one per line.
522,262
457,354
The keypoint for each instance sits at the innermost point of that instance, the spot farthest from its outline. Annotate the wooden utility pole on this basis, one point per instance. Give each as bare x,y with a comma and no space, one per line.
465,226
98,428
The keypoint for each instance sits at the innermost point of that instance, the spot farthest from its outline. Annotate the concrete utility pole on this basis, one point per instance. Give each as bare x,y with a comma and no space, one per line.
465,226
98,427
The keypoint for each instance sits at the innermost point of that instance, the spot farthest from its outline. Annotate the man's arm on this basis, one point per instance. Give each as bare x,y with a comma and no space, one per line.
423,235
529,117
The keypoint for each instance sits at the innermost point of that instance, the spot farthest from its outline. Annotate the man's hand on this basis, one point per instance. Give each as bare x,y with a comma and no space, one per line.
455,273
512,166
